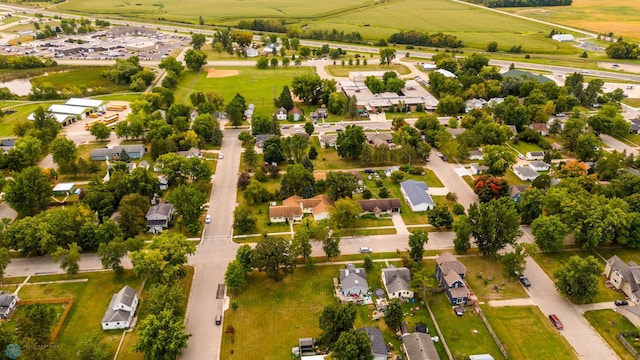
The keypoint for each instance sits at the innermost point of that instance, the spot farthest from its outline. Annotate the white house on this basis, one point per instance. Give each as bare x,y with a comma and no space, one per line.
251,52
397,282
281,114
427,67
416,196
121,309
562,37
446,73
8,303
535,155
525,173
328,140
624,276
539,166
476,154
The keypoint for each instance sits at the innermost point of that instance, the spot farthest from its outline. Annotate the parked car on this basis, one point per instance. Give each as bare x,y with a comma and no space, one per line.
525,281
220,156
207,219
218,319
621,302
556,322
366,250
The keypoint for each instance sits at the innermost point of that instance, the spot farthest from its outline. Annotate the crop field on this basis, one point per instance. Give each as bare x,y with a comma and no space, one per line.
617,16
371,18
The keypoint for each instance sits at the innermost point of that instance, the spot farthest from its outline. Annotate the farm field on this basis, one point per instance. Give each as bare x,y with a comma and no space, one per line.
371,18
617,16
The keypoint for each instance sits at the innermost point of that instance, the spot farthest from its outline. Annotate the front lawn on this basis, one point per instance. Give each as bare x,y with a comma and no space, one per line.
261,212
524,147
486,279
609,323
550,262
526,333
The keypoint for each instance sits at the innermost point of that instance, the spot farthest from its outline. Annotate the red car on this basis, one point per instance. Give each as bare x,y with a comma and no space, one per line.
556,322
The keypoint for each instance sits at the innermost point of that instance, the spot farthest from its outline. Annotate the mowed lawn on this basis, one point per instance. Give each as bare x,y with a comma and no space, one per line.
486,279
526,333
272,316
257,86
22,111
608,324
91,299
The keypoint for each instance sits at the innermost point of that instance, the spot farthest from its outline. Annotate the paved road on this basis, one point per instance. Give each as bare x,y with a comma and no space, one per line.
618,145
446,173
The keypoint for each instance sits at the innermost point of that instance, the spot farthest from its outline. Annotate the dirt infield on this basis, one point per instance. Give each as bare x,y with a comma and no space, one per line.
214,73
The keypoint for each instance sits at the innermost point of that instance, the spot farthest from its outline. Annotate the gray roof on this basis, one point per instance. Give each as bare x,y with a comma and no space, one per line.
162,209
447,262
526,171
378,346
539,164
536,153
416,191
263,137
630,272
117,150
382,204
125,296
397,279
420,347
351,277
6,299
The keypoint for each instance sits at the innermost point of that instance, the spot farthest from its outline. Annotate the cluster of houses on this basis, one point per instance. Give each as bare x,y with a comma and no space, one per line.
353,285
412,95
373,139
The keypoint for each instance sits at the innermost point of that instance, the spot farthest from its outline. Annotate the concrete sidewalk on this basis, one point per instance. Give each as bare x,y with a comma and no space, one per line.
511,302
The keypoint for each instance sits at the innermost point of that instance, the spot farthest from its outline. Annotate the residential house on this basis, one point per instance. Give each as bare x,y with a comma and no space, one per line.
397,283
624,277
525,173
306,347
416,196
285,213
134,152
121,309
540,128
419,346
261,139
556,146
7,144
535,155
281,114
455,132
353,281
377,139
476,154
144,164
317,176
635,126
322,113
380,206
451,273
539,166
163,182
513,129
515,192
251,52
296,113
477,169
193,152
159,216
474,104
519,74
318,206
8,303
378,345
446,73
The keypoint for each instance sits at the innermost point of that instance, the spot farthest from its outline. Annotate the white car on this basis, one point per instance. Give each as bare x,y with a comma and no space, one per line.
325,125
207,219
220,156
366,250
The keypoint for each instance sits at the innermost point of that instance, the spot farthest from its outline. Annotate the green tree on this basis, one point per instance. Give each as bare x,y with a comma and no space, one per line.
492,46
610,165
111,254
91,347
188,202
462,228
164,260
440,216
578,279
28,150
284,100
337,103
36,323
334,320
64,153
70,258
352,345
514,262
387,55
235,277
255,193
417,241
394,314
29,192
309,128
587,147
498,158
273,256
165,296
161,336
341,185
345,212
494,225
243,220
296,179
235,110
195,59
351,107
198,40
301,245
101,131
307,87
549,232
171,64
207,128
5,260
244,256
530,205
350,142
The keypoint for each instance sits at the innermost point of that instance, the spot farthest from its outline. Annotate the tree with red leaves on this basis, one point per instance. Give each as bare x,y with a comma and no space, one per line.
489,187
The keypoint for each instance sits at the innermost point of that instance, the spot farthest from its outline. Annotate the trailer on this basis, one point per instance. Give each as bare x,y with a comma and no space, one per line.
91,123
114,107
111,118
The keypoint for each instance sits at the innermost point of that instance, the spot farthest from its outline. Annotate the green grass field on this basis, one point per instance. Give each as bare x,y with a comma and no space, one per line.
78,77
371,18
22,111
608,324
343,71
487,287
526,333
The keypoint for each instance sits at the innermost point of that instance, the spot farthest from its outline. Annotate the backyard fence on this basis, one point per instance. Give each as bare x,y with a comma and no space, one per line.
493,334
625,343
68,301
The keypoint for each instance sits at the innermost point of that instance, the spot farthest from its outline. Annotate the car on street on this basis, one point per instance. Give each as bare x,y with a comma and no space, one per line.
325,125
525,281
220,156
285,127
556,322
366,250
218,319
298,131
207,219
621,302
369,171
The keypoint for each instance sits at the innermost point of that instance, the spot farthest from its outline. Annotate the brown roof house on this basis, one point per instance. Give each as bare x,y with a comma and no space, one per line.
294,207
624,276
450,273
380,206
285,213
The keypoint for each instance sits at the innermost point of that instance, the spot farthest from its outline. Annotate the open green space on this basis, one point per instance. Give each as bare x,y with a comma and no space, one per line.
343,71
524,147
550,262
90,301
624,253
261,212
22,111
372,19
632,102
258,86
486,279
89,77
608,324
526,333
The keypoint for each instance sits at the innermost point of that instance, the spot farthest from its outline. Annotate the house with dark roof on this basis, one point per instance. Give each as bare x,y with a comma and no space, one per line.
353,281
635,126
623,276
380,139
8,303
134,152
525,173
281,114
535,155
416,196
397,282
419,346
378,345
193,152
380,206
121,309
526,75
451,273
159,216
7,144
261,139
